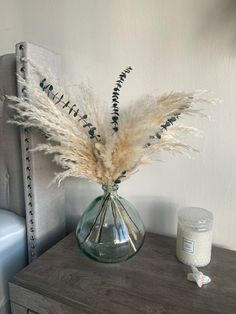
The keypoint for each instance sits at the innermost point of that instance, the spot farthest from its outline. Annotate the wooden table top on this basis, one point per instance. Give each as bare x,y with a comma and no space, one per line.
152,282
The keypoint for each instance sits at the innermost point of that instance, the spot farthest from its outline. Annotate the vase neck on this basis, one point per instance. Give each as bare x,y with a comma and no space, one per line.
112,189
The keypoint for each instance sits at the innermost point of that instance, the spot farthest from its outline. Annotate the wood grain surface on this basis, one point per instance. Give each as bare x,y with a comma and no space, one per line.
63,280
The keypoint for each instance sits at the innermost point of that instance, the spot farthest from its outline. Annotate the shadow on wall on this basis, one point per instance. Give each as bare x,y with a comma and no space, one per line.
158,214
79,194
219,23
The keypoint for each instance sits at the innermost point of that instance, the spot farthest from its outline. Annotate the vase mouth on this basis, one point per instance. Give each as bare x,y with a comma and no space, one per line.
110,188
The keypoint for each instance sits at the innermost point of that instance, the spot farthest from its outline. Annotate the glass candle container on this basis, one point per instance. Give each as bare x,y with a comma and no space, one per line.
194,236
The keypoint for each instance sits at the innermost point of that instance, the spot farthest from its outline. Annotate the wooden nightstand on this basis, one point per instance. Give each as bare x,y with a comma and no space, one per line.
63,280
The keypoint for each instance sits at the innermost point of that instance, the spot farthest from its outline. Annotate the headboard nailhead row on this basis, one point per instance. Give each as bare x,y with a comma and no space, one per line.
22,92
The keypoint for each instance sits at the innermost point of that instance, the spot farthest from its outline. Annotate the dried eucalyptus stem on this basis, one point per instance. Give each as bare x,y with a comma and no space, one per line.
115,98
58,98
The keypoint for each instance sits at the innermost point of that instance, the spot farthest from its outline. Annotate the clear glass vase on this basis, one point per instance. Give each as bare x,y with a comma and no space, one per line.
110,230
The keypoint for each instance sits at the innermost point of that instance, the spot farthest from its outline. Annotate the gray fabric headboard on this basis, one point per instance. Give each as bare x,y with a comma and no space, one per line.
11,179
44,205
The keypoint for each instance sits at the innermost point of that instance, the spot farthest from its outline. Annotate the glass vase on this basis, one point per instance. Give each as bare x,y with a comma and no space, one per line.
110,230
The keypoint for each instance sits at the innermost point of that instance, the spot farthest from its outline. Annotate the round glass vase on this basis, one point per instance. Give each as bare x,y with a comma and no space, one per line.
110,230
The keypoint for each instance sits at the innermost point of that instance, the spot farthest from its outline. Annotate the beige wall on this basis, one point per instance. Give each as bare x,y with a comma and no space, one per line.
172,45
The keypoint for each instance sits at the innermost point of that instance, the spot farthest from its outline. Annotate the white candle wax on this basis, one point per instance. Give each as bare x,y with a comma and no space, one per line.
194,248
194,237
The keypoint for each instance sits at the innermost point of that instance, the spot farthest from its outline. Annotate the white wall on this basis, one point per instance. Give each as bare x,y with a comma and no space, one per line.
172,45
10,25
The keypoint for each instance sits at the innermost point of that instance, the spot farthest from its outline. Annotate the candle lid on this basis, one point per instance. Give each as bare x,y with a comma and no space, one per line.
195,217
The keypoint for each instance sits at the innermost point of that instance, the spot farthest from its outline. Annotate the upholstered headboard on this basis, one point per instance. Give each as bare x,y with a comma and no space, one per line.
11,179
27,175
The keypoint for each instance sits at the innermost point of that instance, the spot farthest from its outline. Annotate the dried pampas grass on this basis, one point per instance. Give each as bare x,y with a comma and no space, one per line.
88,142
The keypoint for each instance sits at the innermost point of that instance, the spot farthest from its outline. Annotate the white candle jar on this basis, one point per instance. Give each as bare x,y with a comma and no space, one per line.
194,236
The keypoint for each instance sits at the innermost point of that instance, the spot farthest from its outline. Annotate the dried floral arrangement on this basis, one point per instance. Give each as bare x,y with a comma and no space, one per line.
106,147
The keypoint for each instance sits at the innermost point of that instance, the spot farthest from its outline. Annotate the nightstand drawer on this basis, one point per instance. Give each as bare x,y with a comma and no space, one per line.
18,309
